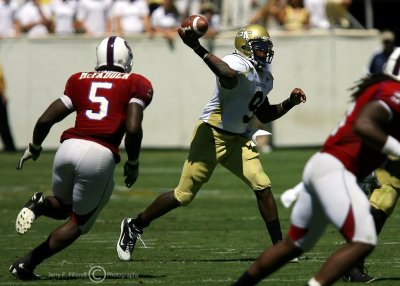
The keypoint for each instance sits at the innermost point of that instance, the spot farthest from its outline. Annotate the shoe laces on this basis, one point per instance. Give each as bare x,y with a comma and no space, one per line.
35,203
138,236
37,198
134,232
365,270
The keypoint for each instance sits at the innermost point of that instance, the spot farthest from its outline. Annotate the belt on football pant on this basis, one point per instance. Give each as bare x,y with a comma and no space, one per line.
222,131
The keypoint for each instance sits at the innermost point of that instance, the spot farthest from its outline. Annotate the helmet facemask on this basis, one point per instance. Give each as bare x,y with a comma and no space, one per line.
128,62
261,45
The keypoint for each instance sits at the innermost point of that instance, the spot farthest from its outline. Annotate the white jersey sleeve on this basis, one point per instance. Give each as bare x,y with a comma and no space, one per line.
238,63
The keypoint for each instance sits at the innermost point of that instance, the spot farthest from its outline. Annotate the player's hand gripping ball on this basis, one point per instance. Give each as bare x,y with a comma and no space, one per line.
194,26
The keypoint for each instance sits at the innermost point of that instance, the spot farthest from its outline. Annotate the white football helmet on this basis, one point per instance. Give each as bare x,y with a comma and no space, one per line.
114,52
251,38
392,66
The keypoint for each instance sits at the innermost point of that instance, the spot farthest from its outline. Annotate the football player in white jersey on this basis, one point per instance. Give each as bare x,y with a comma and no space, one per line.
243,83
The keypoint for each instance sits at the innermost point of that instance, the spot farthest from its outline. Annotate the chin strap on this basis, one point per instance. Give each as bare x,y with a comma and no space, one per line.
259,65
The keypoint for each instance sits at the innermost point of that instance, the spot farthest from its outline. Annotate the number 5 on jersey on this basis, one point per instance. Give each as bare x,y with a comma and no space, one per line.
94,97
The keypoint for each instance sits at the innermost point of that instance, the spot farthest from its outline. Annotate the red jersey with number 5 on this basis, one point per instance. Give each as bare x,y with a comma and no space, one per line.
345,145
100,100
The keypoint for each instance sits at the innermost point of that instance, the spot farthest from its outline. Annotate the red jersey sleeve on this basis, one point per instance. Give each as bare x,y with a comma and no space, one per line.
141,90
69,90
389,93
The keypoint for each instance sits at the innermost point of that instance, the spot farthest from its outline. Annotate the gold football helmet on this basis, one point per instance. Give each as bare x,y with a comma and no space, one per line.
251,38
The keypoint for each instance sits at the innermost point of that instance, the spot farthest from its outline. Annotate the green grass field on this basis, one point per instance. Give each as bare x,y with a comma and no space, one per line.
210,242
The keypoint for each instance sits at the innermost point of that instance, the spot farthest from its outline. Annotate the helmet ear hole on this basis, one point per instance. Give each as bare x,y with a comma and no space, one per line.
246,48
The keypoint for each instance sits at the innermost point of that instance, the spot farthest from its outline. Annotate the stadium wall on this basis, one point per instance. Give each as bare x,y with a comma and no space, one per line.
323,63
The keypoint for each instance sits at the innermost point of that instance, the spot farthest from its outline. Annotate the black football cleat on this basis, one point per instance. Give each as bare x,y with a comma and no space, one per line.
29,213
127,239
22,272
357,274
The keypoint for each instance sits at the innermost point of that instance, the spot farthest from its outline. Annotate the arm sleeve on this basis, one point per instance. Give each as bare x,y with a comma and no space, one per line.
236,63
389,100
143,92
67,102
67,98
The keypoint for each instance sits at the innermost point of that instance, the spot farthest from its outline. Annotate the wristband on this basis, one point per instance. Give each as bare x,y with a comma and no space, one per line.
35,148
391,147
133,162
201,52
287,105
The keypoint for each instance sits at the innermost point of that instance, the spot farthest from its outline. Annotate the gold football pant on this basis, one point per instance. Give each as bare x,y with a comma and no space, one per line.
210,146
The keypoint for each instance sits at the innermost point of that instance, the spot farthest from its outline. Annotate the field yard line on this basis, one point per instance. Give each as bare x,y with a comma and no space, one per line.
174,170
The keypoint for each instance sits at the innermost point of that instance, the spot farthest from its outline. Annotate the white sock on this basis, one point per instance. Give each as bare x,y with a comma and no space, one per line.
313,282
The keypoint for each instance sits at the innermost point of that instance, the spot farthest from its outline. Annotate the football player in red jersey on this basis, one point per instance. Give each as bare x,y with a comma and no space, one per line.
109,103
382,188
330,193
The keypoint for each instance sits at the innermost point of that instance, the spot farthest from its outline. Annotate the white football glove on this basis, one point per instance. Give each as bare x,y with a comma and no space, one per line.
288,197
253,133
32,152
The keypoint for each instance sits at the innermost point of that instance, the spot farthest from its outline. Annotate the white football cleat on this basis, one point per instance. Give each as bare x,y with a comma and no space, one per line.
29,213
24,220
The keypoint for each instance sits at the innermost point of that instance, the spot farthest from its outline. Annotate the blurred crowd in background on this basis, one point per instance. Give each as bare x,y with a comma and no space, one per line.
38,18
149,18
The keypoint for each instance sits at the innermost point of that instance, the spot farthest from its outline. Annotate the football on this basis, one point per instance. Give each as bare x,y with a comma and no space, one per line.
195,25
